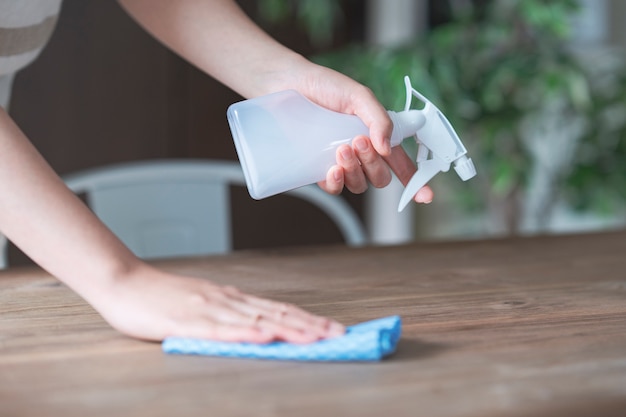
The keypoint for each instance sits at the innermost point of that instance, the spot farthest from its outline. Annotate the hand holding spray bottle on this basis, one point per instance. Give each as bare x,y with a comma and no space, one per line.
285,141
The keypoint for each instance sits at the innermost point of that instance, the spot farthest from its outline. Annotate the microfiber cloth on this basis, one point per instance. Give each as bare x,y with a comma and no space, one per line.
368,341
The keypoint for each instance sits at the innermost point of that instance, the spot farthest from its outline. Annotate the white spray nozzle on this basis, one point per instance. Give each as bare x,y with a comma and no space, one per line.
464,167
439,146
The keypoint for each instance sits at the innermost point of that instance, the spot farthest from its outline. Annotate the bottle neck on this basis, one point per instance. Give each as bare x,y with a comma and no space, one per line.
405,124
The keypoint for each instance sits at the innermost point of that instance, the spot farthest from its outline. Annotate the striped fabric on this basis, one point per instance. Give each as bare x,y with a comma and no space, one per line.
25,27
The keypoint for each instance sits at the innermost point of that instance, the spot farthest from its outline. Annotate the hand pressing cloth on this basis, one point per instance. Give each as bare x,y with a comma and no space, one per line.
368,341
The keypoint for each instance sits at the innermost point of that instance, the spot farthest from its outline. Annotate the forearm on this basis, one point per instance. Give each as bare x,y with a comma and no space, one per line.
217,37
51,225
220,39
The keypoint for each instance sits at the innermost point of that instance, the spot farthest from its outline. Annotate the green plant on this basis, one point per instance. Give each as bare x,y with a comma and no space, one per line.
598,179
541,122
317,17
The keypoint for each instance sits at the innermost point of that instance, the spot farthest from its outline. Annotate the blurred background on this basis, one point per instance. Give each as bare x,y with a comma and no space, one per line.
535,89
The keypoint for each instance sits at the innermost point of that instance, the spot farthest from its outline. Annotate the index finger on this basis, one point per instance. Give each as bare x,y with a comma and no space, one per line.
376,118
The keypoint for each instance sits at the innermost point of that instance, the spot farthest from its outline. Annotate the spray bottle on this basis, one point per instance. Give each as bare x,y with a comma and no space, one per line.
285,141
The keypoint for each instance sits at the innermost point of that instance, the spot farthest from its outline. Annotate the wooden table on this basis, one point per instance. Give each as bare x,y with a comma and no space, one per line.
526,327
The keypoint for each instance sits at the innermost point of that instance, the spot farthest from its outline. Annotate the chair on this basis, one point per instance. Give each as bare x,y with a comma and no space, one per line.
169,208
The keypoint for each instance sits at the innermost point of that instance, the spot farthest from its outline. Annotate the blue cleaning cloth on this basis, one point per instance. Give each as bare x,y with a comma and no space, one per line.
368,341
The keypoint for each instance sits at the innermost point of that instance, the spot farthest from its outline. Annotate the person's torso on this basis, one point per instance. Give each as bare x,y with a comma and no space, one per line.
25,28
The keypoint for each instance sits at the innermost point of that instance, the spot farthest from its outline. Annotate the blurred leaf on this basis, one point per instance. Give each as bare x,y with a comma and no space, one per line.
505,178
274,10
318,17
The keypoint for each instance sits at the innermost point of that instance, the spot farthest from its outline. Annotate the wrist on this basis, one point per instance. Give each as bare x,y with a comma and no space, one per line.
285,73
95,279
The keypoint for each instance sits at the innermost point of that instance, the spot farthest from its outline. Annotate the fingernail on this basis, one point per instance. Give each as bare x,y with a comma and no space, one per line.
419,197
361,145
335,329
267,334
308,337
346,154
387,146
337,175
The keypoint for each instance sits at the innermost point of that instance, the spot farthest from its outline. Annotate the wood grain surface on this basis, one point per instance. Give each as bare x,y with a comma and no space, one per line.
519,327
